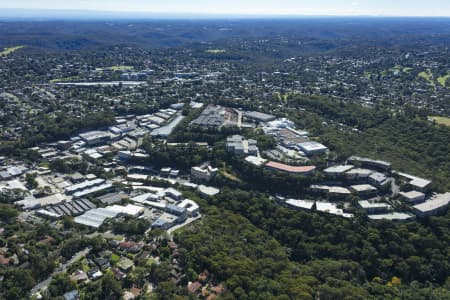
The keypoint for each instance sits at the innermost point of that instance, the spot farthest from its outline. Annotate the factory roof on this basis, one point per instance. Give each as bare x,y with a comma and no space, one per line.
84,185
259,116
31,203
93,189
95,217
130,209
165,131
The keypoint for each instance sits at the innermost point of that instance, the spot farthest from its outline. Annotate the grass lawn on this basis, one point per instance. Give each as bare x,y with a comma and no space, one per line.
443,80
114,259
230,176
66,79
10,50
407,69
215,51
427,76
441,120
120,68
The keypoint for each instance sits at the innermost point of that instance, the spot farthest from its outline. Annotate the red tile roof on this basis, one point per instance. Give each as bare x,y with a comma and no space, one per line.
194,286
290,169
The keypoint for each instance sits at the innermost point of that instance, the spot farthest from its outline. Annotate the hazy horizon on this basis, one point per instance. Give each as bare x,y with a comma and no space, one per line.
249,8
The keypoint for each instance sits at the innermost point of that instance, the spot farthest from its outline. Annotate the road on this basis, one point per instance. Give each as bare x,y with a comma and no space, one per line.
61,269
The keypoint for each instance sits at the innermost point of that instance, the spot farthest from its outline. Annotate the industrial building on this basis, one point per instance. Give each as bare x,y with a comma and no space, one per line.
71,208
92,138
95,217
313,148
218,116
35,203
237,145
258,116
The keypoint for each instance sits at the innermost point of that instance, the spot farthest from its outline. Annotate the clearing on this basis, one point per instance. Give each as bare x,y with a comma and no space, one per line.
441,120
427,76
10,50
215,51
120,68
443,80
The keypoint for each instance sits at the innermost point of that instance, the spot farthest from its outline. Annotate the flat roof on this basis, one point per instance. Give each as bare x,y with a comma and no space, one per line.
360,171
367,204
255,160
290,169
412,194
331,208
312,146
189,205
259,116
208,190
338,169
363,188
369,160
393,216
165,131
338,190
305,204
435,202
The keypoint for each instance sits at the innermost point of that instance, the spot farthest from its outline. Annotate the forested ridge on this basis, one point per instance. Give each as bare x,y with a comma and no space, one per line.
317,256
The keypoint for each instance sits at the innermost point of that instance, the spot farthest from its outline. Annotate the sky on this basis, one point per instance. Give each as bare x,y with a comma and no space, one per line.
248,7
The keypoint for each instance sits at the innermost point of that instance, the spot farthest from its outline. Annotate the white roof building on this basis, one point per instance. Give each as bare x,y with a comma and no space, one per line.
302,204
207,190
393,216
436,204
331,208
414,197
313,147
337,170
